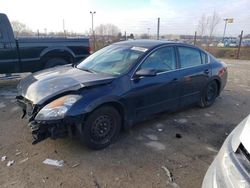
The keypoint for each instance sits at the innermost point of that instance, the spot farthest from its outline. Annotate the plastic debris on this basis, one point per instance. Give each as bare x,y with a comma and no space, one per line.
18,153
169,174
10,163
53,162
3,158
24,160
75,165
160,130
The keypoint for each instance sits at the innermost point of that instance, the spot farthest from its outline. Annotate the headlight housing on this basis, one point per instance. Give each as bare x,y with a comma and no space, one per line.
57,108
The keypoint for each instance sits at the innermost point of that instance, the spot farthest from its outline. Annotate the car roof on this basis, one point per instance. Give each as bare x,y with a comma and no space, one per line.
148,43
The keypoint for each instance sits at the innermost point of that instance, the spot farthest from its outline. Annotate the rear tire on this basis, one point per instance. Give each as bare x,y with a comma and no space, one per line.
101,128
55,62
209,94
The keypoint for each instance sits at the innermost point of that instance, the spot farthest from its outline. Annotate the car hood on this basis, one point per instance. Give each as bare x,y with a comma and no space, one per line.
43,85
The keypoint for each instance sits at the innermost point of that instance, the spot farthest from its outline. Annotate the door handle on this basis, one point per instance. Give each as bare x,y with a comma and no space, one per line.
175,80
206,71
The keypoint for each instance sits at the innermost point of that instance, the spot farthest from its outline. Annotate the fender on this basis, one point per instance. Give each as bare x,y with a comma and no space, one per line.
101,101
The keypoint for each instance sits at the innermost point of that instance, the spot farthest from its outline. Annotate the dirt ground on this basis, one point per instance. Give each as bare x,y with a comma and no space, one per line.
145,156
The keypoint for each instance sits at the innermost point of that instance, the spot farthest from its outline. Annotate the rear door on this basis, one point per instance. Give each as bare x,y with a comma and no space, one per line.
159,93
8,56
194,73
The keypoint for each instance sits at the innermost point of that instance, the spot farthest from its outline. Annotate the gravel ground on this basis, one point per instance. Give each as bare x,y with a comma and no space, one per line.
171,150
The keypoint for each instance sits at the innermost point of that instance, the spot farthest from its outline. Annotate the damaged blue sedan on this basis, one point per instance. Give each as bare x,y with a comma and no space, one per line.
118,86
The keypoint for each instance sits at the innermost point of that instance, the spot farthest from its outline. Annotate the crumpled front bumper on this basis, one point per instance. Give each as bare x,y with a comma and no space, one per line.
42,130
54,129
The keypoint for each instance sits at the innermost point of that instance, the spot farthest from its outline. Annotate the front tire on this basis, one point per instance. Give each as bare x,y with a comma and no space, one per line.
101,128
209,94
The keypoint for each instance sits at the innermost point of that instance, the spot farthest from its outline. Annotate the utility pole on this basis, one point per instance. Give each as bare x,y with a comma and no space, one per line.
238,53
125,34
93,32
158,29
64,31
195,36
227,20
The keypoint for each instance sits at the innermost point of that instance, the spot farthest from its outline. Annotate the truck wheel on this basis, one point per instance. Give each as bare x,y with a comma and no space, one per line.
55,62
209,94
101,127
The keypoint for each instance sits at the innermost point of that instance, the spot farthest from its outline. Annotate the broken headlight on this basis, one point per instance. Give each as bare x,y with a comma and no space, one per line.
57,108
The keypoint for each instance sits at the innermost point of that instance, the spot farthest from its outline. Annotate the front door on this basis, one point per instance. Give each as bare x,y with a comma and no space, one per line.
158,93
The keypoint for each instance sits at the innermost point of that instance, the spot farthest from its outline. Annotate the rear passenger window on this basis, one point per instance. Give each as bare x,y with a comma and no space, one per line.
1,36
204,57
189,57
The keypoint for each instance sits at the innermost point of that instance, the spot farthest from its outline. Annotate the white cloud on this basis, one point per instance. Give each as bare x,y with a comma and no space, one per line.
175,16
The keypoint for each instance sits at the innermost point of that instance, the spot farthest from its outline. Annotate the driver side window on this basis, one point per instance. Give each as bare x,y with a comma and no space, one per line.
161,60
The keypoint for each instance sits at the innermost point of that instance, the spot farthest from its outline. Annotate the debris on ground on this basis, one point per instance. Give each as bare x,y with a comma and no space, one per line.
24,160
75,165
168,173
10,163
170,176
53,162
18,153
177,135
3,158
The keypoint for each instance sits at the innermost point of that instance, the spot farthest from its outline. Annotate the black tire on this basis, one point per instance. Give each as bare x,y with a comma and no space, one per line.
209,94
101,128
55,62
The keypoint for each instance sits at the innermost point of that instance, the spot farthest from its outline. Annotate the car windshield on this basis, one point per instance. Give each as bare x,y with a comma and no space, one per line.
113,59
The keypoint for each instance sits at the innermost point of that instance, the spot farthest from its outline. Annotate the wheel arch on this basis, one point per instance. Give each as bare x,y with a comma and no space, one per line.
55,52
114,103
217,79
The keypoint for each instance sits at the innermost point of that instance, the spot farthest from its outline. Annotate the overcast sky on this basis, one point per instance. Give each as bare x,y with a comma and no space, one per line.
133,16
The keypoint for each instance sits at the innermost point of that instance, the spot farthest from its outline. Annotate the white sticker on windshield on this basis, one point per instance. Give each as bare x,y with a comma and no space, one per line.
141,49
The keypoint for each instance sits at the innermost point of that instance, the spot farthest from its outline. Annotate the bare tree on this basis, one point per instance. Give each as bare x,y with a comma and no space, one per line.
107,30
207,26
202,25
20,29
213,22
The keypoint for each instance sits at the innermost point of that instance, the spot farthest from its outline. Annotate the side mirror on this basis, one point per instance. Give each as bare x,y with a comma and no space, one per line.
145,73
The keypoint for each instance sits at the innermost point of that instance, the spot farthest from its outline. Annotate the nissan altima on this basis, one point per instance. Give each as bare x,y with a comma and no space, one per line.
118,86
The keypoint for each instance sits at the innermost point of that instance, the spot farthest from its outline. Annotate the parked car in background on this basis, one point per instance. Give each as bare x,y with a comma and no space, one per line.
220,45
231,167
118,86
34,54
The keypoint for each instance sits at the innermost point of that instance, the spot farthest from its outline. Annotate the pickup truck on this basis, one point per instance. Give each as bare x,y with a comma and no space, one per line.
33,54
